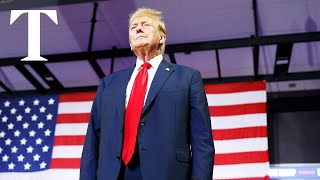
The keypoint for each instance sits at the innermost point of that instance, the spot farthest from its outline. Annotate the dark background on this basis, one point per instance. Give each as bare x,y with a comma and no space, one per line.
294,128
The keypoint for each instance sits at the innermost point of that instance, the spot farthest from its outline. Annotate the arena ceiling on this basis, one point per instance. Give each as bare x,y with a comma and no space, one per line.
227,40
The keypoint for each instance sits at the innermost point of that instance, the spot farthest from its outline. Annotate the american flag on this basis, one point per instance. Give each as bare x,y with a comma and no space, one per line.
43,135
239,127
238,113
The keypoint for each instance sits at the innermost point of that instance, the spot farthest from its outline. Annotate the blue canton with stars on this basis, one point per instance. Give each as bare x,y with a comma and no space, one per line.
27,127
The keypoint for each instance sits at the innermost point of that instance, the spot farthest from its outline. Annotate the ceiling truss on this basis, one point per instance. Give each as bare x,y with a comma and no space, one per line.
255,42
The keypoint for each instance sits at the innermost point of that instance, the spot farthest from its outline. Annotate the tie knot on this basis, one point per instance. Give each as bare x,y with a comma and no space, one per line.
146,65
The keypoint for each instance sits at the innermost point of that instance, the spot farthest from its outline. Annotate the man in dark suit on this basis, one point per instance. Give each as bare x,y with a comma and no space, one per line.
150,121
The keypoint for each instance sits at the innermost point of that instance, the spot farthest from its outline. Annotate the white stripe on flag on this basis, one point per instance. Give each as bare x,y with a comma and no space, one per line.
240,171
238,121
71,129
50,174
236,98
241,145
67,151
74,107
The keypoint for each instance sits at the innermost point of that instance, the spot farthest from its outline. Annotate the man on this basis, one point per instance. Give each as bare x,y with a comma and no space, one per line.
150,121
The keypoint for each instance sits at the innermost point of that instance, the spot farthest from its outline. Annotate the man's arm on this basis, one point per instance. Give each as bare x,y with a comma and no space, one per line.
90,153
201,133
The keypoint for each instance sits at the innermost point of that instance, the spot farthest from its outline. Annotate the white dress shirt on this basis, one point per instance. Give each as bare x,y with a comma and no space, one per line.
155,62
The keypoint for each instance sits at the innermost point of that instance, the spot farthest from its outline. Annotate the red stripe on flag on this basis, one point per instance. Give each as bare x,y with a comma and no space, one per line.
239,133
251,178
73,118
65,163
69,140
238,109
235,87
241,158
76,97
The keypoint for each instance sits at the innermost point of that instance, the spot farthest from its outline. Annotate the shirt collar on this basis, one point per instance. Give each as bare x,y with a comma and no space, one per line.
155,62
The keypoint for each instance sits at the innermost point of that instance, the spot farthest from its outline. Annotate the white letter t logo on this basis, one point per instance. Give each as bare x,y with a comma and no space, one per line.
34,30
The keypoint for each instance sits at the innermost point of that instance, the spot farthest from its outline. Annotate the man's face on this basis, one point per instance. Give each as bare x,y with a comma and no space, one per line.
142,32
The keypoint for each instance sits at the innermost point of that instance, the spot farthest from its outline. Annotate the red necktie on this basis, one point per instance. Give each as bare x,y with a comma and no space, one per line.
133,113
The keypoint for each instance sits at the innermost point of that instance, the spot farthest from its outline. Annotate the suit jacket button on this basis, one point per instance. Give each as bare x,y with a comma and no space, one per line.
142,123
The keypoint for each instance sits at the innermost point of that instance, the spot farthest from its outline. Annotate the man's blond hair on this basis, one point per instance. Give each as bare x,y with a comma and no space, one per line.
156,16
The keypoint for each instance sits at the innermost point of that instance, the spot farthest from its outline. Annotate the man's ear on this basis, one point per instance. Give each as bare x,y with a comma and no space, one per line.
162,39
130,45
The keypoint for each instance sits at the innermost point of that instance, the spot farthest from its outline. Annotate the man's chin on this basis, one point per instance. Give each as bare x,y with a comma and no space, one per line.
142,45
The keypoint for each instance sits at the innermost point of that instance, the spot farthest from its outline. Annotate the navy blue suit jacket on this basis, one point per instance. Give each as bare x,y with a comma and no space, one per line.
174,136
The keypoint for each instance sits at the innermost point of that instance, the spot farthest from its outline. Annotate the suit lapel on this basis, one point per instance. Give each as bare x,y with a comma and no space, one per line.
123,80
163,72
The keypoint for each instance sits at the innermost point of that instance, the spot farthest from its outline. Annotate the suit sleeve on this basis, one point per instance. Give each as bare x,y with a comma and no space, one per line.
201,134
90,153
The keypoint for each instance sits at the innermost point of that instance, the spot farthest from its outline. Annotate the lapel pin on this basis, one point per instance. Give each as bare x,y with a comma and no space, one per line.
167,69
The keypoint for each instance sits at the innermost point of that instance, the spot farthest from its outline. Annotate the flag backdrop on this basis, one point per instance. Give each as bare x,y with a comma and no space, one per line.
239,127
41,137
